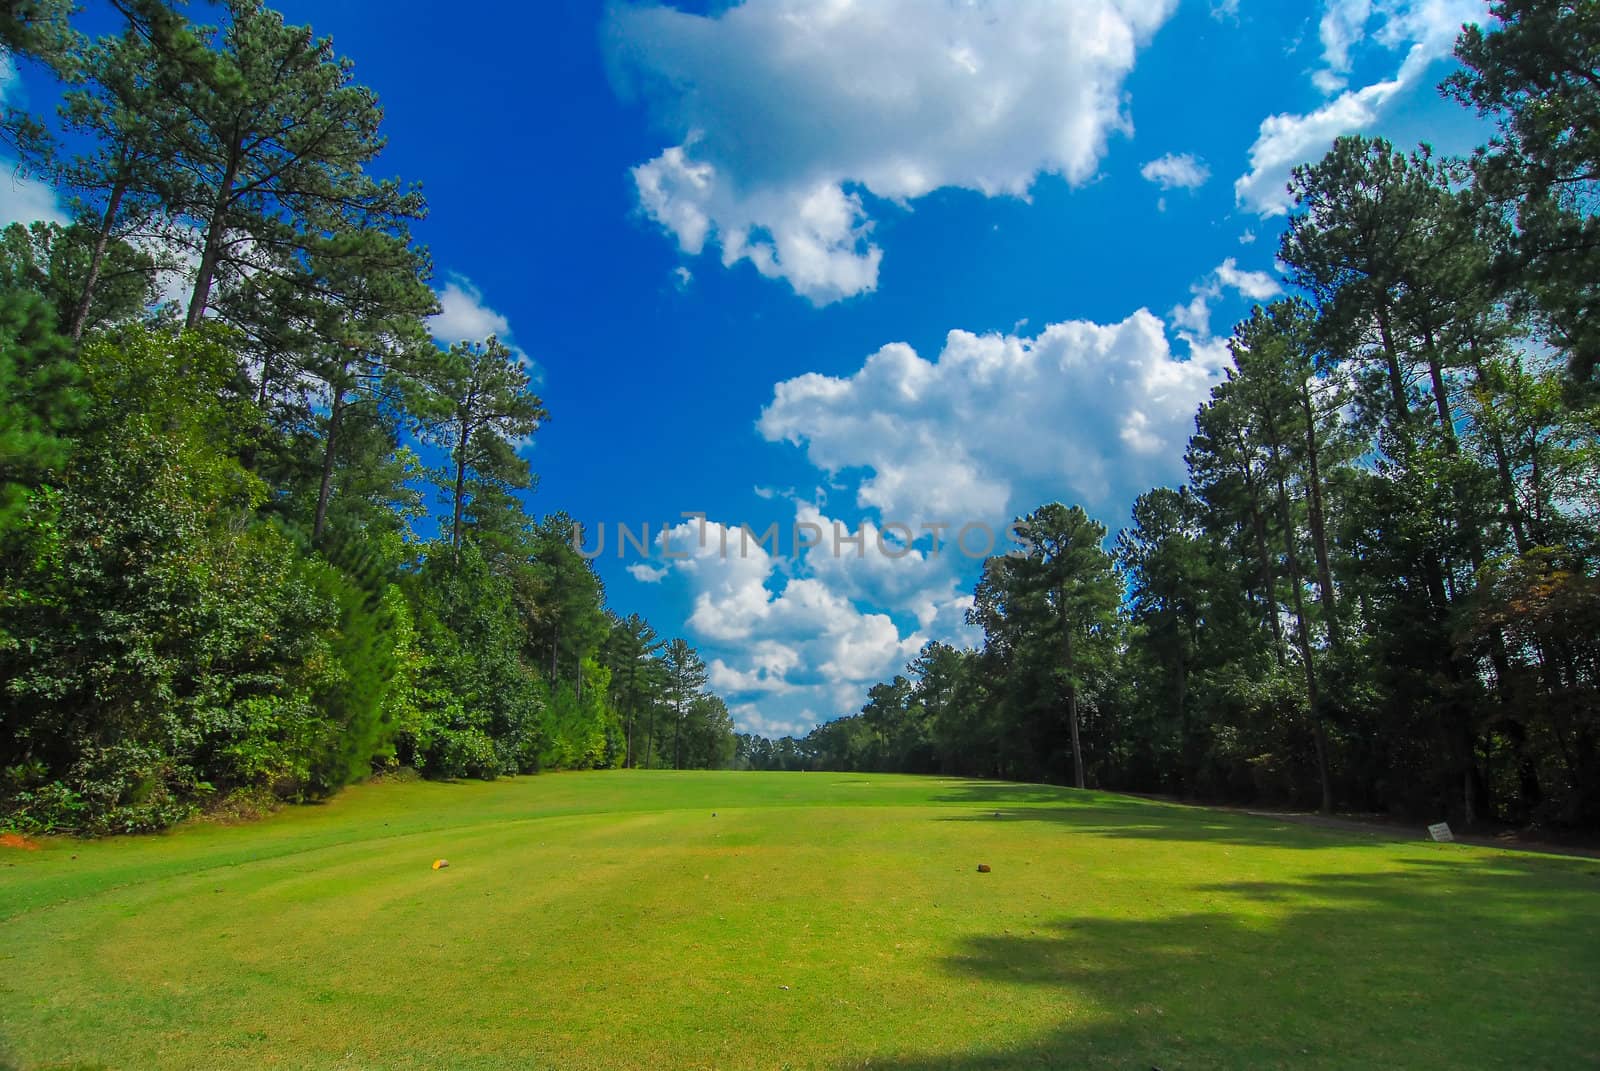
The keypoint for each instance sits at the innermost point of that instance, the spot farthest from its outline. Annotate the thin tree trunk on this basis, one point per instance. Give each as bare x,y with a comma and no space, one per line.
211,251
461,491
1269,586
1508,491
1536,488
1258,527
1397,384
1302,632
1190,772
650,740
80,315
325,490
1072,689
677,738
1441,399
1317,520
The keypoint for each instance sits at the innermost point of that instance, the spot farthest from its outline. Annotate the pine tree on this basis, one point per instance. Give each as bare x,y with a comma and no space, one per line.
476,401
686,677
1536,74
275,142
1068,569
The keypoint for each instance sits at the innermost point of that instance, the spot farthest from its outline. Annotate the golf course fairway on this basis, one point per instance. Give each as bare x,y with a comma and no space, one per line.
661,920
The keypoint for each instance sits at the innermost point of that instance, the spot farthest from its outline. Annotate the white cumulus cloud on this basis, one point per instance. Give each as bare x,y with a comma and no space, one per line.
1344,22
749,718
786,114
463,315
1176,172
999,423
646,573
1425,29
790,629
1255,285
1194,318
768,662
741,597
23,199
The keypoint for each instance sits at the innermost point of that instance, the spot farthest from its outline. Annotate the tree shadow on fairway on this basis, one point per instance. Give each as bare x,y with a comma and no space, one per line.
1107,815
1469,964
985,792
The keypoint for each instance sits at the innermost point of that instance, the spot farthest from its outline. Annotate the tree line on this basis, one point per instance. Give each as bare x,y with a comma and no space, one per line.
1377,588
260,535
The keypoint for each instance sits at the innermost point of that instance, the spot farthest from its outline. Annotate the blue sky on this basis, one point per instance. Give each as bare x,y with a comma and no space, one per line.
905,261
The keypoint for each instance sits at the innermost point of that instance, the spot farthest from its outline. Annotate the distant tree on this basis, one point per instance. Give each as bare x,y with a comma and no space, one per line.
1164,559
709,737
476,401
637,676
562,600
686,677
1069,576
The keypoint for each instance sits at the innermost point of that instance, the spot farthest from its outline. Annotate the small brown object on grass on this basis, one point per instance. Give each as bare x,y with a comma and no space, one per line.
983,868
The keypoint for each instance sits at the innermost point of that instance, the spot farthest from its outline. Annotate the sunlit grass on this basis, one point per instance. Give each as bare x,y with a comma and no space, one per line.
660,920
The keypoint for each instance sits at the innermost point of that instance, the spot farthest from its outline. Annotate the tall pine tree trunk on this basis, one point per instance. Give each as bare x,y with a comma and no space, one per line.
1316,517
1269,587
211,251
1397,383
677,738
1291,557
650,740
1072,689
460,502
102,240
1441,399
1502,461
325,489
1258,526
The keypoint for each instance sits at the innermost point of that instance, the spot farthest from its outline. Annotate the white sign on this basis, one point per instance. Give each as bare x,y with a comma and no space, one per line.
1440,831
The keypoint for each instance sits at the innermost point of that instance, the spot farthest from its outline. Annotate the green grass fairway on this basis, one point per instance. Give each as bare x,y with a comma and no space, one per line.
609,920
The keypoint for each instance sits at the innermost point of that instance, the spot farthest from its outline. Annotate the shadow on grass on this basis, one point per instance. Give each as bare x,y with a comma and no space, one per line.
1108,815
1461,964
